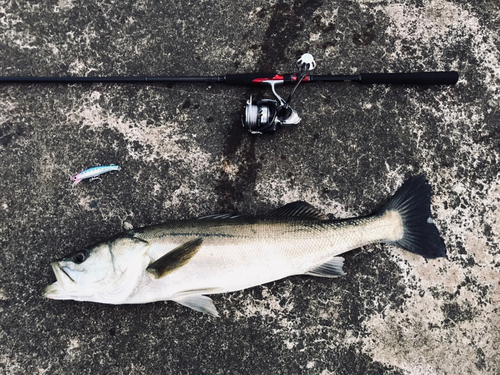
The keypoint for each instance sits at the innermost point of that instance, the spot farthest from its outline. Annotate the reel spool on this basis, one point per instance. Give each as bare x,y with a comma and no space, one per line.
260,116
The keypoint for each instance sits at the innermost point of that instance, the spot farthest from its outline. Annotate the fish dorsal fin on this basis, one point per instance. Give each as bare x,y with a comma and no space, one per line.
219,217
174,259
298,210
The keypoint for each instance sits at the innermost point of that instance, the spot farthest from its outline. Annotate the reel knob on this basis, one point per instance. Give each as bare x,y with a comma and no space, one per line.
306,62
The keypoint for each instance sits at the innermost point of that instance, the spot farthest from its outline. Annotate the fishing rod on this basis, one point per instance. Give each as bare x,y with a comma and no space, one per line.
265,115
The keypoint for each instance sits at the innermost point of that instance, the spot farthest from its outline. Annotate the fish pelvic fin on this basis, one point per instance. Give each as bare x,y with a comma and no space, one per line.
331,269
198,302
420,235
174,259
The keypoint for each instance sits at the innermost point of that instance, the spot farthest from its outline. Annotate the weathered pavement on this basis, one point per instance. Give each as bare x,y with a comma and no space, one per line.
184,154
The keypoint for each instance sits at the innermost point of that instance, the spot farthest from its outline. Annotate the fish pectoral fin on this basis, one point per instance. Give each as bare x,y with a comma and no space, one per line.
175,259
197,302
332,268
298,210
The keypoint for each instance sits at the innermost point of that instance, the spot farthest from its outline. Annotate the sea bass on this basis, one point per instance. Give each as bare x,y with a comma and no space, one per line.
184,261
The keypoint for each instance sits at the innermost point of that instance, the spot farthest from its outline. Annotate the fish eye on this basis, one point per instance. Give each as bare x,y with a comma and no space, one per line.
80,257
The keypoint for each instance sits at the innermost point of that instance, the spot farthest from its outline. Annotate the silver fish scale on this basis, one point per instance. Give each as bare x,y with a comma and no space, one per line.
291,237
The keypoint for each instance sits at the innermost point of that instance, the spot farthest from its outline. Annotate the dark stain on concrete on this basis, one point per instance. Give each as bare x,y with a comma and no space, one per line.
238,171
286,23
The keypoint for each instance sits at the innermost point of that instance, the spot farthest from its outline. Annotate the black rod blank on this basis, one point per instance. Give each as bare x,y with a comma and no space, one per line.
31,80
422,78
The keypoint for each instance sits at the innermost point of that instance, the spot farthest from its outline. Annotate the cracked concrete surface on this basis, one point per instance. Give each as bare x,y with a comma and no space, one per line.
184,154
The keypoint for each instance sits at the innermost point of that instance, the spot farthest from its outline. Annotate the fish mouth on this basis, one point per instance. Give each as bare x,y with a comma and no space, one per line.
57,289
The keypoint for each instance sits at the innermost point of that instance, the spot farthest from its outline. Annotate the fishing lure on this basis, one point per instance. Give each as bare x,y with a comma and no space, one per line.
93,173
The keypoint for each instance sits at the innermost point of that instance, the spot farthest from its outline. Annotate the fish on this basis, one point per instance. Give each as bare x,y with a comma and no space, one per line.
186,261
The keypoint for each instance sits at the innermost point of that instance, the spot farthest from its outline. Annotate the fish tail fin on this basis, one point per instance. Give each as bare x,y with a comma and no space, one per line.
420,235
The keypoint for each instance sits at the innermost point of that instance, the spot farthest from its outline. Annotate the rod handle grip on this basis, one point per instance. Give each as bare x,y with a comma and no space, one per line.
423,78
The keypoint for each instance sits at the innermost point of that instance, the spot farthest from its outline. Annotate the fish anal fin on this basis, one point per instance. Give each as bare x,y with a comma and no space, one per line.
298,210
175,259
198,302
332,268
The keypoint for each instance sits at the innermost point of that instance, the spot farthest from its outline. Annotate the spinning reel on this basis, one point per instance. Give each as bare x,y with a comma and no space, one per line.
263,116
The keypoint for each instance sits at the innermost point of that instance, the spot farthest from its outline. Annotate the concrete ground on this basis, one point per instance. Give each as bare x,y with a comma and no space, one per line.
184,154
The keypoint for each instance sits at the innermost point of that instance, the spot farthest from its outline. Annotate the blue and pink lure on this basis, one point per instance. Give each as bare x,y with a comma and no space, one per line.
93,173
